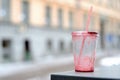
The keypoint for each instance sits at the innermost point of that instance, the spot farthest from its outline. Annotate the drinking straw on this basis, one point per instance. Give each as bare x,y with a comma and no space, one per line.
87,25
89,18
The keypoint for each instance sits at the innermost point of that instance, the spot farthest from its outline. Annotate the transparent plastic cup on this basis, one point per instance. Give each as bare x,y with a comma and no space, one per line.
84,49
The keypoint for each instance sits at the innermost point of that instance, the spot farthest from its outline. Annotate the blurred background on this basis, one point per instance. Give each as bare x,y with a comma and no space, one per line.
35,35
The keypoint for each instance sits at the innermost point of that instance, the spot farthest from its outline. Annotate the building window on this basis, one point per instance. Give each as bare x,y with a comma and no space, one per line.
70,20
100,1
118,25
85,18
61,46
49,45
6,48
71,46
110,3
60,18
27,51
48,16
102,32
92,23
25,11
84,21
5,10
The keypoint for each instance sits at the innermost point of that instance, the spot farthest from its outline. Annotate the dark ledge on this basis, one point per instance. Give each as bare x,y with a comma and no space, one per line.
108,73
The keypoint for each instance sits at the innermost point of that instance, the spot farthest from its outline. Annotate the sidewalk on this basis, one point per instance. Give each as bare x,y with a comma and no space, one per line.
27,70
12,68
45,66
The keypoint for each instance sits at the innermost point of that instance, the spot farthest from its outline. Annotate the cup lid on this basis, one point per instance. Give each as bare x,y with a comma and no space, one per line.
84,33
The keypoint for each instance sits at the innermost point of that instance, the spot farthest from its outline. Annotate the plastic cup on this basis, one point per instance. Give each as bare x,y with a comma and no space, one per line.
84,49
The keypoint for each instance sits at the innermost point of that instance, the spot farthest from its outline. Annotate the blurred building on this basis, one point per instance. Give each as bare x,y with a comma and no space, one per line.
30,29
105,19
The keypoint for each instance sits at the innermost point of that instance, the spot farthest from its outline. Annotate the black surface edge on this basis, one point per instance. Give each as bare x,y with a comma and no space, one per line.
66,77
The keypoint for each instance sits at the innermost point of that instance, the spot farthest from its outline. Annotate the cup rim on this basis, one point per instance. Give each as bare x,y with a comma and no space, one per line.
90,33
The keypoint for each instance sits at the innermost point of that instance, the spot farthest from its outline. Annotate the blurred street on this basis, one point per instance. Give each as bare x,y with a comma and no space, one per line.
41,70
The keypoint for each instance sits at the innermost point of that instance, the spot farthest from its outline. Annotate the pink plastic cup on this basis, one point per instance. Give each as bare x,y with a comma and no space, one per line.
84,49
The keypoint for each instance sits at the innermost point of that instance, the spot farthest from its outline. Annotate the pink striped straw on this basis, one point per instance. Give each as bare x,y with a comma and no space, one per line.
89,18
